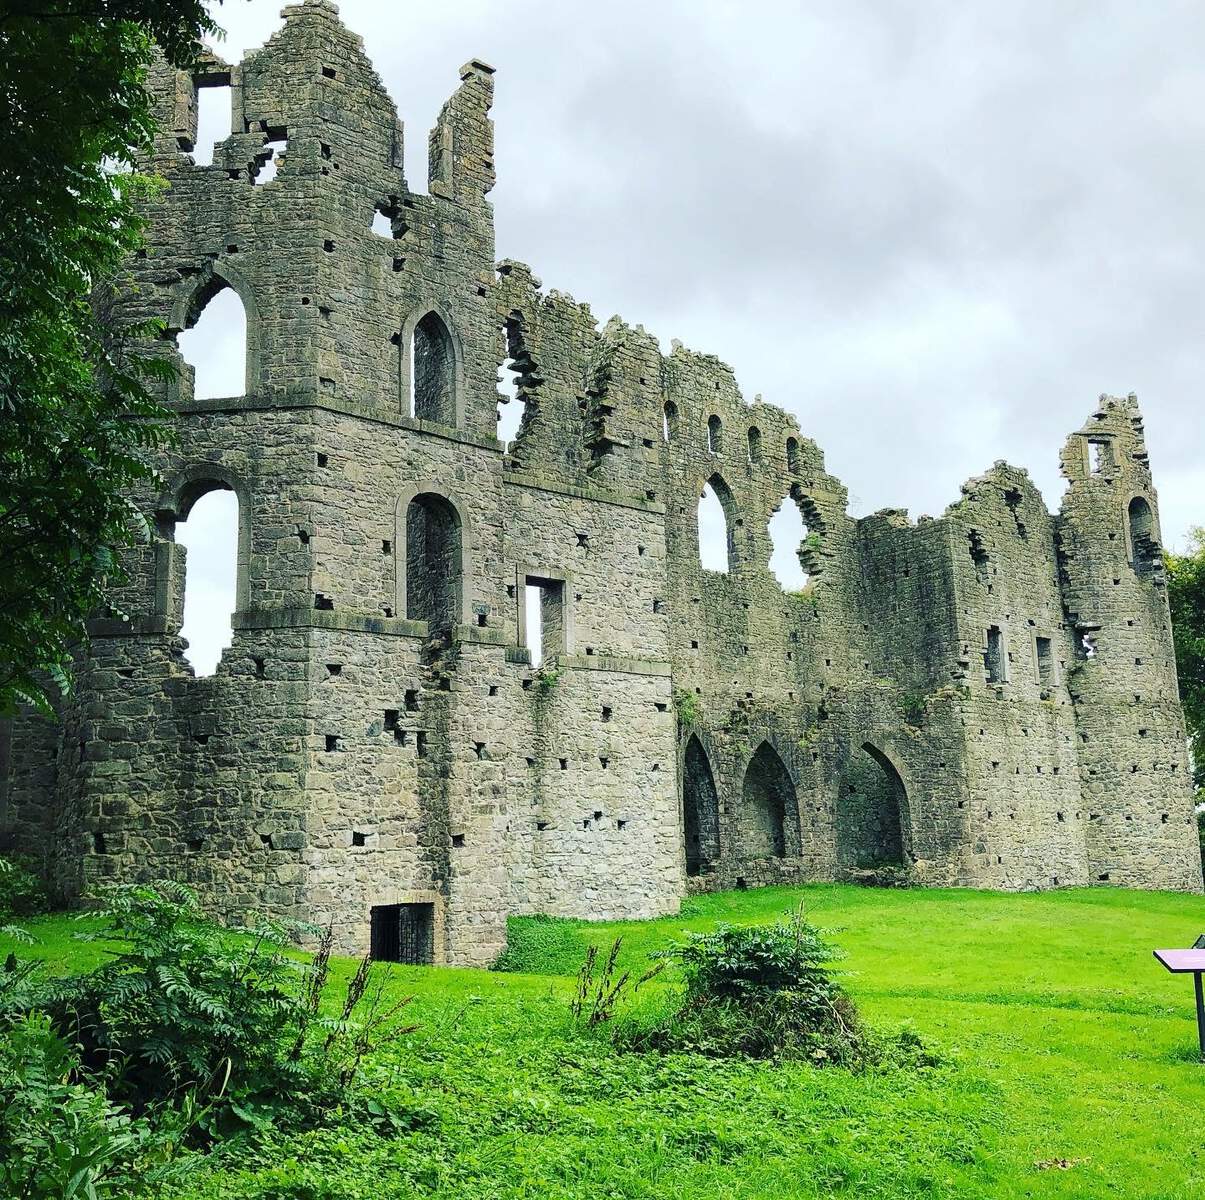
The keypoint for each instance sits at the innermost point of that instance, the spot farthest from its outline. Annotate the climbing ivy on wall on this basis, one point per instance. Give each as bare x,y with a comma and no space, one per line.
77,423
686,705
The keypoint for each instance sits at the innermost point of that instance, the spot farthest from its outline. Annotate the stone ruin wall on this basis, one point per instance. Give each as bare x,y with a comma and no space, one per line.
689,729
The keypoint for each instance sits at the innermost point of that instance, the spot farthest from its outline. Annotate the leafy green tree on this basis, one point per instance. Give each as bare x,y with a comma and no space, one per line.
1186,592
77,421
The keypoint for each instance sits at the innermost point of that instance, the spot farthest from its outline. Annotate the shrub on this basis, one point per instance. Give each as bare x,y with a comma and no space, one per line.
759,991
58,1139
229,1019
22,893
540,945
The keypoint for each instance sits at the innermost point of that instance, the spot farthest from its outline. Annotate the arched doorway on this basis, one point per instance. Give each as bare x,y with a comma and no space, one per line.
433,562
700,810
871,812
767,801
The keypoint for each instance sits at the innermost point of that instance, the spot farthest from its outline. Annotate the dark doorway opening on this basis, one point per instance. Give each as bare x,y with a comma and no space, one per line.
700,810
403,933
872,806
767,797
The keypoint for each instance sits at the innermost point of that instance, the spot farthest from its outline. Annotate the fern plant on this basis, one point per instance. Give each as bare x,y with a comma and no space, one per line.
229,1018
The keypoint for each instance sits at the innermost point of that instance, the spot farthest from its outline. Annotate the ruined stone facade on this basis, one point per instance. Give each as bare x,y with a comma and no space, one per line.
985,699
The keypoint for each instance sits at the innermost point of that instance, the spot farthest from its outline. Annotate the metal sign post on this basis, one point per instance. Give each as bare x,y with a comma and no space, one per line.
1190,962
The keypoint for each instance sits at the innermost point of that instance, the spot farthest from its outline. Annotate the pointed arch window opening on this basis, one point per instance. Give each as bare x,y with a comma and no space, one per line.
434,574
432,375
715,529
669,421
715,434
754,438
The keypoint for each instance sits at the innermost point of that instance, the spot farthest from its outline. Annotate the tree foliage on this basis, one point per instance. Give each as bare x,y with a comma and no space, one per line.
77,422
1186,593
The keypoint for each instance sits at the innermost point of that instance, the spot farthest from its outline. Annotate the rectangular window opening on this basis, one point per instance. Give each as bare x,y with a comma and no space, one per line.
1045,655
1100,454
214,121
545,629
994,660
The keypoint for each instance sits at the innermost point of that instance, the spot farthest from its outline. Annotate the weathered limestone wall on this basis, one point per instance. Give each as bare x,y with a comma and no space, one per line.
1131,744
378,732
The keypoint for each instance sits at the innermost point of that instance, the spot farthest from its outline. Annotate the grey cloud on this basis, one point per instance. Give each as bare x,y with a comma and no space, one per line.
934,234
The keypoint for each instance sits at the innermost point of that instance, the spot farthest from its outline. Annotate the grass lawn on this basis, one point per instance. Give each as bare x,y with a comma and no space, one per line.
1070,1068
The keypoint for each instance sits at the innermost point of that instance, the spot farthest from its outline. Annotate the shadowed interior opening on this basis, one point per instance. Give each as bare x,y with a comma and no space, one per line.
700,810
433,581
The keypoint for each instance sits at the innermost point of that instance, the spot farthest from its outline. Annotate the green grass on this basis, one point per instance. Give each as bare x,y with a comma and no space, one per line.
1063,1040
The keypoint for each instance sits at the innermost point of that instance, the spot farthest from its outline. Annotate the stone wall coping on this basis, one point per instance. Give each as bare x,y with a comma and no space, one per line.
310,618
618,666
619,499
292,400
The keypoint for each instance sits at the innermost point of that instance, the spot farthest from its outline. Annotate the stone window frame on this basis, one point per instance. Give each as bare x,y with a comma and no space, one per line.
753,440
1005,673
1055,674
387,897
184,300
423,309
526,573
175,502
669,422
436,488
1108,454
1128,526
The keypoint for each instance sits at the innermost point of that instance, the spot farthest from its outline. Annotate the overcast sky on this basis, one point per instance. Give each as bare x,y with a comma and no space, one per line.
935,235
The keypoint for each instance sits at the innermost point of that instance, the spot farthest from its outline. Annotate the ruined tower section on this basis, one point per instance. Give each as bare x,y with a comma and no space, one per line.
1130,742
1024,820
381,747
